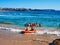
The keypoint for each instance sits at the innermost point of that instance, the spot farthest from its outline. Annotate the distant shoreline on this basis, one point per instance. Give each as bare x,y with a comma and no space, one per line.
25,9
34,11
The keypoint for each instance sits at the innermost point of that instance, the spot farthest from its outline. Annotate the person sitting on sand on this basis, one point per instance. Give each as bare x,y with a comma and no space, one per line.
32,26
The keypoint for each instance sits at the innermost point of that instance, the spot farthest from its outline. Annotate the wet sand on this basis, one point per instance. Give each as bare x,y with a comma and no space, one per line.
25,39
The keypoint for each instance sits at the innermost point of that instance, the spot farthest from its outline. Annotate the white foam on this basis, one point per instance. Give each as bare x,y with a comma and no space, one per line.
16,30
38,32
49,32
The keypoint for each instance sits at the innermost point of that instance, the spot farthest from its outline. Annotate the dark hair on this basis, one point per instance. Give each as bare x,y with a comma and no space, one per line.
26,25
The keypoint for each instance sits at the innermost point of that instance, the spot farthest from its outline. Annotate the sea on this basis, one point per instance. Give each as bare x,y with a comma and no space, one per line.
20,18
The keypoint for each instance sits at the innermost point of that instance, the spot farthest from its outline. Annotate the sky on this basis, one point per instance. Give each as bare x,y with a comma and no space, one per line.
34,4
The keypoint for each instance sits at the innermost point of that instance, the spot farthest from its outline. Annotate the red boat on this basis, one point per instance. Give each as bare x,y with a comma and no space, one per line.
28,31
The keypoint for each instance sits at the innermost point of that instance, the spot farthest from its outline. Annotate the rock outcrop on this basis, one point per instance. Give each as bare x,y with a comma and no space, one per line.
56,42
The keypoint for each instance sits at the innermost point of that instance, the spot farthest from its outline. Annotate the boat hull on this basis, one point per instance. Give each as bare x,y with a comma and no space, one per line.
24,32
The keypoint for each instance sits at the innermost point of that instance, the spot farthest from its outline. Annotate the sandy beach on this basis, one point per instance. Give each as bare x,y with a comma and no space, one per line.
26,39
13,38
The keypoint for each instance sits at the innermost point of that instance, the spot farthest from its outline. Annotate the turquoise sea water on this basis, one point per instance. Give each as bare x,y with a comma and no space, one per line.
20,18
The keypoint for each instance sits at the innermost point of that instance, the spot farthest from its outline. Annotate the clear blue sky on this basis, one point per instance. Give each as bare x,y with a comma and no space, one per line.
39,4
